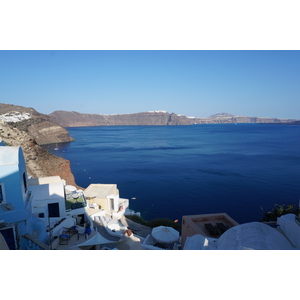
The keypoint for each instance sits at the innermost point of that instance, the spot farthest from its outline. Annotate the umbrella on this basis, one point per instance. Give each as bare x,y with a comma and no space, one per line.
164,234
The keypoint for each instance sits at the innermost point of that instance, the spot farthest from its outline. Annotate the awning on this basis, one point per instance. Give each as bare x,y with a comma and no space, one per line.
98,239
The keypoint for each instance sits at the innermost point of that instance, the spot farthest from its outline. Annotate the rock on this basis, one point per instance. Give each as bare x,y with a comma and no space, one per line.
75,119
39,162
40,126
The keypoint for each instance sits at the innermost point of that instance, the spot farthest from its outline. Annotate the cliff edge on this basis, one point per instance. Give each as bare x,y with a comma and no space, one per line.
75,119
42,127
39,162
26,128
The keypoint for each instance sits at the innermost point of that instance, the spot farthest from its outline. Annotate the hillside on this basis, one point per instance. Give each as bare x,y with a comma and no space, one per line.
26,128
39,162
75,119
40,126
228,118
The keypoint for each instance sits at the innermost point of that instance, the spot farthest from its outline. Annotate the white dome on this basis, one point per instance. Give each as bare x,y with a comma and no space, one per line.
254,235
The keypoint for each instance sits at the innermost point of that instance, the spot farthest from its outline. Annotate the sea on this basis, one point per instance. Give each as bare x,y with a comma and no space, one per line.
172,171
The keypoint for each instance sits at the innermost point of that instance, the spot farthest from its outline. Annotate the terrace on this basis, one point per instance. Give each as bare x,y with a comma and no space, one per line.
75,200
74,238
208,225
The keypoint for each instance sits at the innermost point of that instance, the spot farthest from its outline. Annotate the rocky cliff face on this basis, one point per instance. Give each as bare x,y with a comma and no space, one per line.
40,126
26,128
75,119
39,162
228,118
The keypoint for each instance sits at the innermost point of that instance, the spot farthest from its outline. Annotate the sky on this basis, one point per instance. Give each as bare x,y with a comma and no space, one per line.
196,58
195,83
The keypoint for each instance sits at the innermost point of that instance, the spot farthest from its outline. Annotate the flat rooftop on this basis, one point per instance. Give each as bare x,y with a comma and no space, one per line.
209,225
97,190
45,180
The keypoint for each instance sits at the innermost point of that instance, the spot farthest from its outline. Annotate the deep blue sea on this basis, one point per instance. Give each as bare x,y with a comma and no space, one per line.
171,171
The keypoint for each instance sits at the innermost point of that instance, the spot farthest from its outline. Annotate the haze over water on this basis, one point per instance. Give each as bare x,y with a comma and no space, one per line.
173,171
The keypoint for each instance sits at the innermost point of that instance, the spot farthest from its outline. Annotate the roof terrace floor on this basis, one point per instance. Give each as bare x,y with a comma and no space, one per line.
219,222
75,240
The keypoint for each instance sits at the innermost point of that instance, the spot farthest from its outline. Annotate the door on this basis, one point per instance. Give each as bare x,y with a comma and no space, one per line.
9,237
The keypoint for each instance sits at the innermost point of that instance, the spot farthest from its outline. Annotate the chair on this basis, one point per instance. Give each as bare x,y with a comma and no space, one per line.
80,233
64,239
88,231
211,229
222,227
84,231
71,230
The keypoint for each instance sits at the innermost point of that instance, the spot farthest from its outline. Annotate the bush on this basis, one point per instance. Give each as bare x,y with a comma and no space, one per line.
164,222
155,222
137,219
280,210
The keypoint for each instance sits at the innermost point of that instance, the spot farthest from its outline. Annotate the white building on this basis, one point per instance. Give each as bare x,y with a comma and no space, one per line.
252,236
14,196
106,197
40,213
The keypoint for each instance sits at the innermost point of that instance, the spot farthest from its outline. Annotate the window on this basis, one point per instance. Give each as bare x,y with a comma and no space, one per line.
53,210
9,236
112,204
25,182
2,195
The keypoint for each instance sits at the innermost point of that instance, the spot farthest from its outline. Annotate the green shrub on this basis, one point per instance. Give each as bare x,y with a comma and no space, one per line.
280,210
164,222
137,219
155,222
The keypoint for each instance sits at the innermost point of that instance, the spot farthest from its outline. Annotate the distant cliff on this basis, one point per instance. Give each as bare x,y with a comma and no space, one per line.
43,128
75,119
228,118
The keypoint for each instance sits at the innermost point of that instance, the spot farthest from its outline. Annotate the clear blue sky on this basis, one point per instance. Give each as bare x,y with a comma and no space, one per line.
193,83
